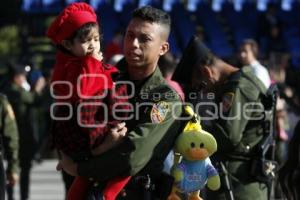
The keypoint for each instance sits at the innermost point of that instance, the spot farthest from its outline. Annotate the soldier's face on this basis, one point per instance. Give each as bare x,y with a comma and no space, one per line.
19,79
205,78
144,44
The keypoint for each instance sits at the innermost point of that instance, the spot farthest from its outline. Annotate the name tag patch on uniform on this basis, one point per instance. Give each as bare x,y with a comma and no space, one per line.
159,111
227,100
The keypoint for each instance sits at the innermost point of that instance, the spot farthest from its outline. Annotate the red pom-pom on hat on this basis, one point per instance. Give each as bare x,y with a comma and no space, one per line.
69,20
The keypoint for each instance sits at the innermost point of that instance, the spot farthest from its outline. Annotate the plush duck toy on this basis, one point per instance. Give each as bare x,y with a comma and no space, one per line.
194,171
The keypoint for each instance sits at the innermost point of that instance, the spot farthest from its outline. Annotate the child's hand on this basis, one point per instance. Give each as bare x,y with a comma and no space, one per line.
114,137
116,133
98,55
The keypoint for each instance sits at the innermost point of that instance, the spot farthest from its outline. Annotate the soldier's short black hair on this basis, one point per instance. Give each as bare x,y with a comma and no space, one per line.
154,15
15,68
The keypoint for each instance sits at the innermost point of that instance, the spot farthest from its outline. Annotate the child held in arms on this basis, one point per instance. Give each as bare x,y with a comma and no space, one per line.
81,80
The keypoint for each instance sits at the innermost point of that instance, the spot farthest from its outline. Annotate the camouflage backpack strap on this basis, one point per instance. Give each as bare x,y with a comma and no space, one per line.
249,75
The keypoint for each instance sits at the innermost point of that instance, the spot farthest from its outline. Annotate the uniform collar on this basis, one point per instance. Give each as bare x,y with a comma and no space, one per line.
234,76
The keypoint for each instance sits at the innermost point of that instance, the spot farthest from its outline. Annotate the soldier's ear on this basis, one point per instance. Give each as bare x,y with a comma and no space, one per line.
207,71
164,48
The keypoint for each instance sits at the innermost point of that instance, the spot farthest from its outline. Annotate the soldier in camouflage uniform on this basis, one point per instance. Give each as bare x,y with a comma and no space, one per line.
237,128
8,145
152,125
22,100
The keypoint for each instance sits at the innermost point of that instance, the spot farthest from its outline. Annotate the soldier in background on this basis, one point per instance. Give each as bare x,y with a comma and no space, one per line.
8,146
238,131
22,99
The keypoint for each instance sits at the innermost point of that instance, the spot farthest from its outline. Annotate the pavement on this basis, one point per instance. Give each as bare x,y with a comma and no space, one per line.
46,182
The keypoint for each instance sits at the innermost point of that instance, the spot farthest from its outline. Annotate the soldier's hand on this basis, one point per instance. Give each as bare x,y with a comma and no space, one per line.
114,137
12,178
67,164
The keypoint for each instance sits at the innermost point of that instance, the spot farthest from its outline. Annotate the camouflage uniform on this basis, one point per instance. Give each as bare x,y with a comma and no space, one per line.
8,142
238,132
151,134
22,102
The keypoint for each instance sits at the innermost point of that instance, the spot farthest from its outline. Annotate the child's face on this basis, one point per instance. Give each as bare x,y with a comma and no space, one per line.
88,46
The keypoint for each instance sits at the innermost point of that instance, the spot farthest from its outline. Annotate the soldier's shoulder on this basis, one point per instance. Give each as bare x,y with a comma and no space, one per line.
250,85
3,98
245,81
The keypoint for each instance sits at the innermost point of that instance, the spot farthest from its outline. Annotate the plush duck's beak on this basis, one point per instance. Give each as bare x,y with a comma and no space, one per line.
197,153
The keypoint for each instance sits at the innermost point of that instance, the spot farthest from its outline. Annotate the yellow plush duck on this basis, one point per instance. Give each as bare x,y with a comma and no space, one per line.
194,170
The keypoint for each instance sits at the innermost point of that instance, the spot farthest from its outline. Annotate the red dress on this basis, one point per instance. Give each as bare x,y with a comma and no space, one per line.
77,81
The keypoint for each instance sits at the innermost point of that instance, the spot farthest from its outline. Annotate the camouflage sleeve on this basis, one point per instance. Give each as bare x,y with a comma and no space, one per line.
10,137
139,147
232,120
21,95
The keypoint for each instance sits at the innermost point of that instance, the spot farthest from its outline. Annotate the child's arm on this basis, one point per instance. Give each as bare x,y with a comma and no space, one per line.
114,137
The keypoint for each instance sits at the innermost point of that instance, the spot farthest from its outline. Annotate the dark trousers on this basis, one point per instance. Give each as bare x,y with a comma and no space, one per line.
25,182
25,168
10,192
2,179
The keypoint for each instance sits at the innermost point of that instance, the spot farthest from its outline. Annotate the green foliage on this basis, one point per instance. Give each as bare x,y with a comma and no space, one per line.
9,40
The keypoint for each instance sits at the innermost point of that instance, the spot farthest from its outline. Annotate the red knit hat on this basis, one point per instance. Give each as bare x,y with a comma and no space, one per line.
69,20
